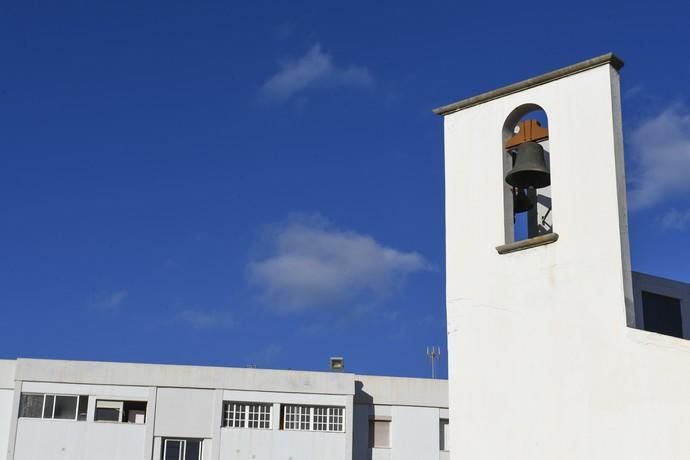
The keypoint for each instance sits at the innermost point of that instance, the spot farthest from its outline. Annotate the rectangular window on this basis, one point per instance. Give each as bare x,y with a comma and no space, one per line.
120,411
31,405
443,435
247,415
50,406
313,418
108,411
182,449
662,314
380,433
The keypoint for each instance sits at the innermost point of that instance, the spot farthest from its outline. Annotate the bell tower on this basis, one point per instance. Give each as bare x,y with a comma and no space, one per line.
534,319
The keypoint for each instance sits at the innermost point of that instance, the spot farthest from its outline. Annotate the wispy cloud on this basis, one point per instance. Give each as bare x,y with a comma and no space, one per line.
266,356
312,264
661,158
109,301
314,69
675,220
205,319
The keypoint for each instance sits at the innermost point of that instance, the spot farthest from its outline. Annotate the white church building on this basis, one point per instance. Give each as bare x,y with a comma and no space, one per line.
548,353
556,349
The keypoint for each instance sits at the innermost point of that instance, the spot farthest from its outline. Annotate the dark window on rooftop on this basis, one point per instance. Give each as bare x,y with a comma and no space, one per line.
662,314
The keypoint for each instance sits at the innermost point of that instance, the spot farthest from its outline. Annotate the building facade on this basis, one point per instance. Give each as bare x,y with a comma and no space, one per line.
548,356
90,410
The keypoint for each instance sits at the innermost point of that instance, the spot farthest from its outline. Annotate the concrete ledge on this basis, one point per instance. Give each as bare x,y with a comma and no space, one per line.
608,58
528,243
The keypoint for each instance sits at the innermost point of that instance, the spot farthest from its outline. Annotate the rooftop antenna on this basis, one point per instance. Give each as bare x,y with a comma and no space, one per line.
433,353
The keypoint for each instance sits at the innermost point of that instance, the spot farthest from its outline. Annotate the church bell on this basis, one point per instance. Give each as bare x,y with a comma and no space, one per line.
530,168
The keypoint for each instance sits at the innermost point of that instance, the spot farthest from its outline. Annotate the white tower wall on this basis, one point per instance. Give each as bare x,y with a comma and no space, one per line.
541,363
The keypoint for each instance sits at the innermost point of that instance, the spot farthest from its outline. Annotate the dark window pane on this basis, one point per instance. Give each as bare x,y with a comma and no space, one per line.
66,407
83,407
106,414
172,450
48,406
134,412
193,450
662,314
30,405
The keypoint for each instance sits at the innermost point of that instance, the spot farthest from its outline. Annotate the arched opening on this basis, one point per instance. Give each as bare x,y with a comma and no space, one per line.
526,176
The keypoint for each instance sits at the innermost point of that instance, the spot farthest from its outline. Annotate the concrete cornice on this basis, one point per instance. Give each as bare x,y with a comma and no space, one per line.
608,58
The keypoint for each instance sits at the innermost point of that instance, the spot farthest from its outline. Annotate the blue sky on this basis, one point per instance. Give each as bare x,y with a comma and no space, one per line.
234,183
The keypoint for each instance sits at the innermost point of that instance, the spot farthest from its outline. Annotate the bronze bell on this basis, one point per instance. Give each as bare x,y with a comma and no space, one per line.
530,168
521,202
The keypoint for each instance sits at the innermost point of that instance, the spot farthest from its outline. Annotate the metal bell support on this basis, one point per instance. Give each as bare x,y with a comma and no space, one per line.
530,167
521,202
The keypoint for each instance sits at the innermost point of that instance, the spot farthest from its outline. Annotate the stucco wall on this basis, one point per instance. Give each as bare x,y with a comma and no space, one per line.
61,439
541,363
6,399
240,444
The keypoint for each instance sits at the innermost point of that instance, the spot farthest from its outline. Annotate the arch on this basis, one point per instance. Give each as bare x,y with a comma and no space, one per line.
538,220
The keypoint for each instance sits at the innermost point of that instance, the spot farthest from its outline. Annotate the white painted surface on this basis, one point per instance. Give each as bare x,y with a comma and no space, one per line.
192,411
104,373
414,433
6,399
243,443
7,370
39,439
541,362
185,413
402,391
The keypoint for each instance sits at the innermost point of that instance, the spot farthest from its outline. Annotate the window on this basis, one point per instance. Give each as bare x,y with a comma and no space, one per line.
120,411
662,314
182,449
247,415
443,435
50,406
380,433
313,418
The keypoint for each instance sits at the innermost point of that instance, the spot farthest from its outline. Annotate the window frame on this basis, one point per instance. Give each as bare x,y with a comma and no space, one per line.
444,435
54,397
122,410
372,432
301,417
254,415
183,447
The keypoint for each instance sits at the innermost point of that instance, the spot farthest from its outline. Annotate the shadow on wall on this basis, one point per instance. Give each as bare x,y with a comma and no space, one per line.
363,411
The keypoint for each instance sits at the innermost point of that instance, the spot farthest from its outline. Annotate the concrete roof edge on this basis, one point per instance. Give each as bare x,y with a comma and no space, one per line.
608,58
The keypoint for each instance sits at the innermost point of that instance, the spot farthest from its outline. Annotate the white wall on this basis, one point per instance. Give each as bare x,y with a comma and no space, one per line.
6,413
541,363
185,413
414,408
245,443
241,443
414,433
39,439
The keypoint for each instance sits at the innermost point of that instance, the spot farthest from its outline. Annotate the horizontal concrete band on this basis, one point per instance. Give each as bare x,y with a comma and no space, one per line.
608,58
528,243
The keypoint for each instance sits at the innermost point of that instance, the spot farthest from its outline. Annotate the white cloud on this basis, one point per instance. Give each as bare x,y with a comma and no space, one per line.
314,69
204,319
675,220
266,356
661,156
111,301
312,264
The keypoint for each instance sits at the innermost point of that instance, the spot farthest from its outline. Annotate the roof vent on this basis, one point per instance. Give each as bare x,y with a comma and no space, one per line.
337,363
